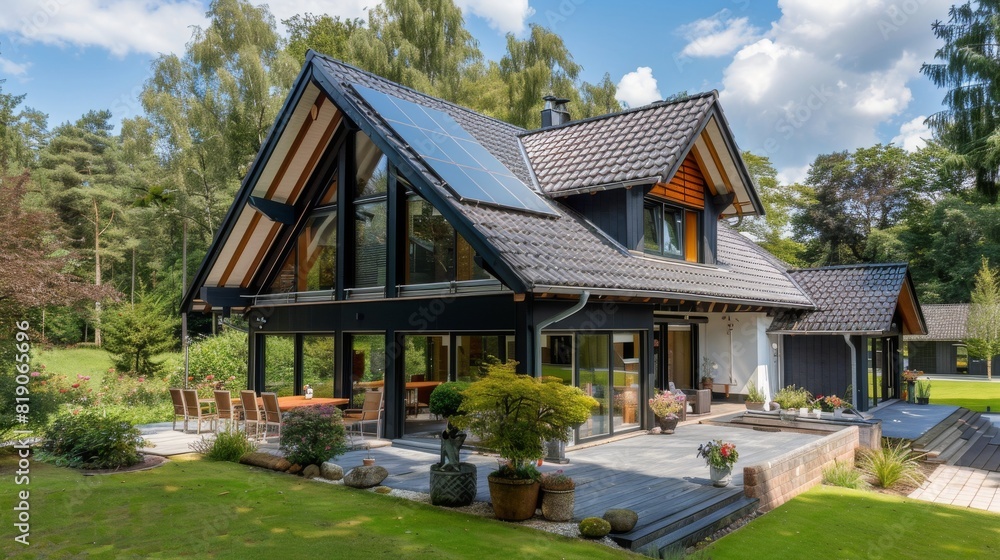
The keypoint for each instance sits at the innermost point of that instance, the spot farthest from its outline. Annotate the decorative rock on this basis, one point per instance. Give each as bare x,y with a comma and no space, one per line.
383,490
365,476
331,471
621,520
282,465
294,469
594,528
311,471
265,460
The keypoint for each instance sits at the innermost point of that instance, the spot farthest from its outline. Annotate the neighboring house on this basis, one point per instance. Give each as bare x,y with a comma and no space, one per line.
850,344
383,237
942,350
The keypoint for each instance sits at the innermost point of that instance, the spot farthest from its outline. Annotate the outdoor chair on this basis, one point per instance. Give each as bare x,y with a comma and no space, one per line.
224,408
194,411
272,414
370,411
251,413
179,411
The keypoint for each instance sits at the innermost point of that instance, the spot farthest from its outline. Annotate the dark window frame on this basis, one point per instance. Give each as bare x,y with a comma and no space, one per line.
660,208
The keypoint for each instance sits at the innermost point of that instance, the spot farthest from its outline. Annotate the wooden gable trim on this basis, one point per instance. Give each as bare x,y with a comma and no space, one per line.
718,162
907,306
686,187
299,138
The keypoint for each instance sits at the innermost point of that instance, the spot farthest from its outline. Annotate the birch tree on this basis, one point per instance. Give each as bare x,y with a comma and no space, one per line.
983,327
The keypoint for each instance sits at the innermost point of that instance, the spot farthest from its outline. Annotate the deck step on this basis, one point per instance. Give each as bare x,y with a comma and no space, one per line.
676,541
925,441
698,506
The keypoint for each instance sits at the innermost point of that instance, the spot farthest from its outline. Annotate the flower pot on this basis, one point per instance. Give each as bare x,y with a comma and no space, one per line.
910,393
557,505
513,499
838,413
368,462
453,488
819,413
923,400
667,425
707,385
720,476
754,405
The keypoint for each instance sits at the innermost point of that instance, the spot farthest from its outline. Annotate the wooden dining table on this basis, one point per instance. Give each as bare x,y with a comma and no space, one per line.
288,403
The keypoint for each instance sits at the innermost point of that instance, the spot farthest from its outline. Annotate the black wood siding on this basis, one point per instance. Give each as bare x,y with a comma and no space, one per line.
820,363
617,212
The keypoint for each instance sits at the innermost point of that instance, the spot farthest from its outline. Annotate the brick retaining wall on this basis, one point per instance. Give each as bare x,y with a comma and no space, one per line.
776,481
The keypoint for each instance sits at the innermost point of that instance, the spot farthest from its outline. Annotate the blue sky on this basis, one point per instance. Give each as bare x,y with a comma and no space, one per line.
796,77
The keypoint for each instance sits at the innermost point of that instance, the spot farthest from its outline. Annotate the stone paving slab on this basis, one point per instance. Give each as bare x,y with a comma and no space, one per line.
961,486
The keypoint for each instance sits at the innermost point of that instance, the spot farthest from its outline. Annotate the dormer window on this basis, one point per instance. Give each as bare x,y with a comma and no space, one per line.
670,231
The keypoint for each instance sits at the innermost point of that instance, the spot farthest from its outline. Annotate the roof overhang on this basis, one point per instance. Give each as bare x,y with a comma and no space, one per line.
725,172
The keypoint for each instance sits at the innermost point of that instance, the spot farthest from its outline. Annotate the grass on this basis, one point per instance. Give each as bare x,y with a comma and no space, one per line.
202,509
973,395
844,475
75,361
828,522
891,464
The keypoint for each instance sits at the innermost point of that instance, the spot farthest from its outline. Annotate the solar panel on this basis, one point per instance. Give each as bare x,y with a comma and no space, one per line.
469,169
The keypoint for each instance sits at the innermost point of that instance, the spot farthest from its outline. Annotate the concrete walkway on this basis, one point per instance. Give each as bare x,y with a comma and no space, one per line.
961,486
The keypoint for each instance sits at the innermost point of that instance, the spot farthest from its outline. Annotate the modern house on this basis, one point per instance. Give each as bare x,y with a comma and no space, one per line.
383,237
942,350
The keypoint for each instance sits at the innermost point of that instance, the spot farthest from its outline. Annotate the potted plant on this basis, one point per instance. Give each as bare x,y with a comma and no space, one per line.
923,392
793,398
515,415
755,397
368,460
558,496
667,407
836,404
910,377
453,482
720,456
708,370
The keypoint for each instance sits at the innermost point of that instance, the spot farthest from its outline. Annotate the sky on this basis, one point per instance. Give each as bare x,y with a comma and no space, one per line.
796,78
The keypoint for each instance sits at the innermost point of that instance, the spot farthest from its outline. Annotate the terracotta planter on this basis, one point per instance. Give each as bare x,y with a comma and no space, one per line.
513,499
720,477
754,405
667,425
557,505
368,462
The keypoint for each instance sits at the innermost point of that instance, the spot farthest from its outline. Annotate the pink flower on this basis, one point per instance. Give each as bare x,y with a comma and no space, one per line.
75,385
141,379
209,377
35,374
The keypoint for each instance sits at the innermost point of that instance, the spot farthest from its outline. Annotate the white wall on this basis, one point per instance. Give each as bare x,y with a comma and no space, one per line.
748,357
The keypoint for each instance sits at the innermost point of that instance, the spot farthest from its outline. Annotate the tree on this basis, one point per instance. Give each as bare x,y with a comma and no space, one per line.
771,230
532,68
78,171
324,34
983,327
137,333
22,133
599,99
212,108
969,69
848,196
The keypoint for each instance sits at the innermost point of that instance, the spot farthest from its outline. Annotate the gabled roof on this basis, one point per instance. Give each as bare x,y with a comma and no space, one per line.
649,143
561,252
854,299
945,322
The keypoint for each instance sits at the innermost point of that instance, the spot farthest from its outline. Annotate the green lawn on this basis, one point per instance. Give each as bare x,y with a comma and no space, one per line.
828,522
201,509
90,361
974,395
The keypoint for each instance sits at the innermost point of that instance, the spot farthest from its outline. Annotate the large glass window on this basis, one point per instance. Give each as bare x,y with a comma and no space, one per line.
372,169
279,364
436,253
426,367
370,244
367,364
317,247
317,364
670,231
472,350
625,381
595,364
557,356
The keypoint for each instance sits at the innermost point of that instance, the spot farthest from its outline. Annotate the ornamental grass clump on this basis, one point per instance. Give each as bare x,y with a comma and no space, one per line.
226,446
719,454
844,475
667,405
892,464
311,435
793,397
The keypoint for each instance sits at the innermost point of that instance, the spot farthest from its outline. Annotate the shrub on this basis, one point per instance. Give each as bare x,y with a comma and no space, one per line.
793,397
557,480
313,434
891,464
227,446
133,334
844,475
754,394
447,398
91,439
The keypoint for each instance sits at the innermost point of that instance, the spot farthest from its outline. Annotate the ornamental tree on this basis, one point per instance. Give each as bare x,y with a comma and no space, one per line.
983,326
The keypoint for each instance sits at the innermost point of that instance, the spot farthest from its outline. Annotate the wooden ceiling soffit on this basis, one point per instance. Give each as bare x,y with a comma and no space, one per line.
687,186
907,305
710,169
300,137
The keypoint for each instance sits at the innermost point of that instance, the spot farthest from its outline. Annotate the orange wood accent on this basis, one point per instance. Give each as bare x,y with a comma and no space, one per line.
314,158
518,297
299,138
691,238
271,233
239,248
687,186
718,161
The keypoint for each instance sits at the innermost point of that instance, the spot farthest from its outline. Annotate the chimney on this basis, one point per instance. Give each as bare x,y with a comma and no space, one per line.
554,113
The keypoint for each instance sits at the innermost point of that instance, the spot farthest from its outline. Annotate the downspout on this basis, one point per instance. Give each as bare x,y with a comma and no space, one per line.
555,450
537,370
854,370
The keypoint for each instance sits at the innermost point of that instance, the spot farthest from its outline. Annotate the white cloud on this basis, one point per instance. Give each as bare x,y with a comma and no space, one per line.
827,76
717,35
638,88
120,26
913,134
507,16
792,175
12,68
